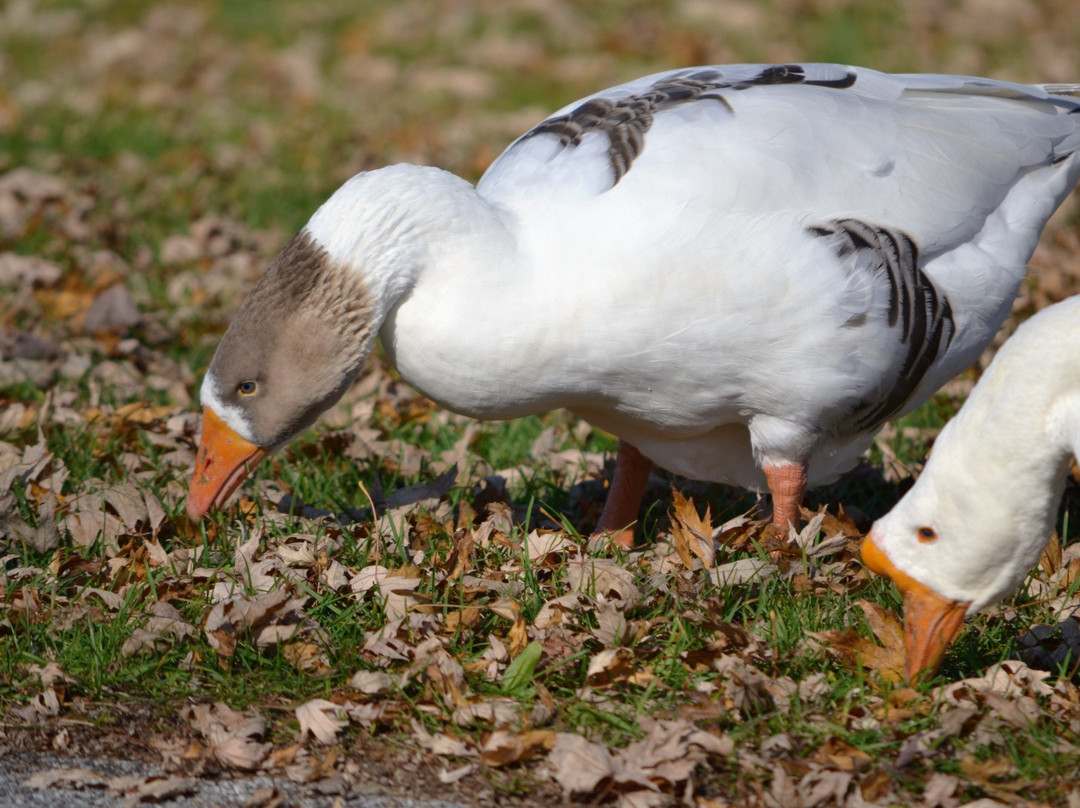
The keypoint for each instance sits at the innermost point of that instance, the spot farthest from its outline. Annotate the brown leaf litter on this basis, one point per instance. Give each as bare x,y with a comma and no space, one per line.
645,773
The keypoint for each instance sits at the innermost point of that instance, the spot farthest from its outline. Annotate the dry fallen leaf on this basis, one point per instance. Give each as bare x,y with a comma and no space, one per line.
692,534
371,682
1010,678
502,746
441,743
495,711
559,609
995,776
579,765
1050,558
459,773
855,651
322,719
839,754
165,627
615,666
743,687
612,627
232,735
540,545
823,787
605,580
647,772
270,617
41,706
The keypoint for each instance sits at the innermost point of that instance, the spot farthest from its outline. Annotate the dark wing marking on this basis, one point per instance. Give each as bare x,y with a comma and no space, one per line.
626,120
921,313
794,74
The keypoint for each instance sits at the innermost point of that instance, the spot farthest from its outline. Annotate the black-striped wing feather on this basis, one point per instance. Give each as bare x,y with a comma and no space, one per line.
626,120
919,312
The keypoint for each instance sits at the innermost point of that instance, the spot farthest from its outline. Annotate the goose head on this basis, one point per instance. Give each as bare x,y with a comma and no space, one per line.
305,330
289,354
926,545
983,509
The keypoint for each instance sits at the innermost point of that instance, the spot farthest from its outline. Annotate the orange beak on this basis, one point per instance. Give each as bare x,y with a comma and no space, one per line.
931,621
223,462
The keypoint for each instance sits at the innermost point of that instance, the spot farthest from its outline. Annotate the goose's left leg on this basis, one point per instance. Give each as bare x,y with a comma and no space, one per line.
787,484
624,497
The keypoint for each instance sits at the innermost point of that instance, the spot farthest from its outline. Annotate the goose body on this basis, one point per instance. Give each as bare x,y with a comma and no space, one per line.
741,271
983,509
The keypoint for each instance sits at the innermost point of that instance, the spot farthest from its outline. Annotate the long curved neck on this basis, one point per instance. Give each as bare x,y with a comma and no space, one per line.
995,476
388,225
1028,403
1022,410
445,277
394,224
1013,439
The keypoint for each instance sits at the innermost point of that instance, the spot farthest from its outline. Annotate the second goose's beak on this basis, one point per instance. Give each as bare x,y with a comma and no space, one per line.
931,621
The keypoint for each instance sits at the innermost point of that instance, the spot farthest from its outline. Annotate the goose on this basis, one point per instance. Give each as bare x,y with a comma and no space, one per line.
983,509
740,271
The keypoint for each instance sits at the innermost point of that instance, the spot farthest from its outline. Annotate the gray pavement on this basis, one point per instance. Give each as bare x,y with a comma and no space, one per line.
50,781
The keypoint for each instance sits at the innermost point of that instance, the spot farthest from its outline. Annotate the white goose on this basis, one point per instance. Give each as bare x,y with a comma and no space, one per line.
742,271
983,509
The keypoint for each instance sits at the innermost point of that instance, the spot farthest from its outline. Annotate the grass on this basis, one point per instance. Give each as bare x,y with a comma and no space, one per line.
221,123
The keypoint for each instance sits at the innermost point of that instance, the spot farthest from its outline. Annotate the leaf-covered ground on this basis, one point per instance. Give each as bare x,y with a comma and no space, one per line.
405,601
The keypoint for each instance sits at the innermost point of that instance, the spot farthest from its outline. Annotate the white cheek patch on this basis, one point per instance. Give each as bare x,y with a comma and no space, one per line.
234,417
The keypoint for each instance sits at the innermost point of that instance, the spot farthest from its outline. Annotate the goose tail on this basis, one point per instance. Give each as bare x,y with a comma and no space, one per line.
1062,89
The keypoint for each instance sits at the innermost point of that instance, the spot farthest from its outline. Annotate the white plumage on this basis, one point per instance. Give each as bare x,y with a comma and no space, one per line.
984,506
734,269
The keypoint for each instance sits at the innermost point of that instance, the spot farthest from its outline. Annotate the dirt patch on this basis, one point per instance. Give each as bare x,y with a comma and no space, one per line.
141,740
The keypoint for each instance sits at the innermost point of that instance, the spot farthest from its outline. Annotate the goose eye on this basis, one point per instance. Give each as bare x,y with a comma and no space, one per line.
247,388
927,535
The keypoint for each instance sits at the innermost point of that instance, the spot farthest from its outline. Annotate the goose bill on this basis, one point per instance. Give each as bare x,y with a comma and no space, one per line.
224,461
931,621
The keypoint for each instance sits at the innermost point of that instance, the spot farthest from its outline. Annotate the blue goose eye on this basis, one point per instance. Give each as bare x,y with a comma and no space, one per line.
247,388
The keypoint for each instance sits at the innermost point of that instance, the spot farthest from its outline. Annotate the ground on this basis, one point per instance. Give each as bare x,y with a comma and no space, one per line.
469,643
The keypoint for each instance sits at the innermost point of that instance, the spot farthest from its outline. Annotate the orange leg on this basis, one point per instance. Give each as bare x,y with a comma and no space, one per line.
787,483
624,499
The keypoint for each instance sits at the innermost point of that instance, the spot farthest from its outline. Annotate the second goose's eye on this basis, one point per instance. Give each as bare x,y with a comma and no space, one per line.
247,388
927,535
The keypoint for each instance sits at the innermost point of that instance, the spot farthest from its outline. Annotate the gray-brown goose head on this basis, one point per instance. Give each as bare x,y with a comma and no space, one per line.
304,331
297,342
